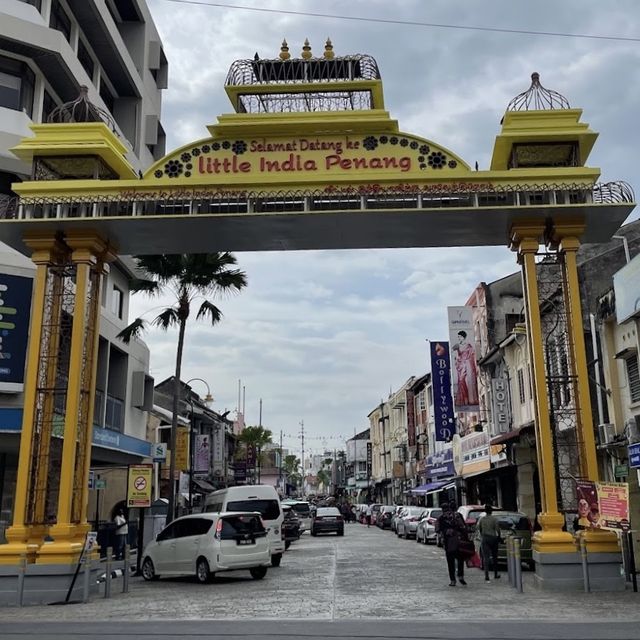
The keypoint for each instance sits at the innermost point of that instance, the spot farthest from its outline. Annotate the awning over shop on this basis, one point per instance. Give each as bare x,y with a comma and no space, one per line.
430,487
204,485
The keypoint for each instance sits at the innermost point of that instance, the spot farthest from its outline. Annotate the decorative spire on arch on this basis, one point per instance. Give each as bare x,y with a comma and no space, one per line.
284,51
538,98
328,50
306,50
81,110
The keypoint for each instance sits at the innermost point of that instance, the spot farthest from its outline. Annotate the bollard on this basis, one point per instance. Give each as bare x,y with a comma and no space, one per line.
22,569
517,561
125,569
585,564
510,561
86,585
107,576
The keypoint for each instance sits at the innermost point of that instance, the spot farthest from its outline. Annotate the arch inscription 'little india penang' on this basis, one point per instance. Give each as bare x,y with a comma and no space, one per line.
309,159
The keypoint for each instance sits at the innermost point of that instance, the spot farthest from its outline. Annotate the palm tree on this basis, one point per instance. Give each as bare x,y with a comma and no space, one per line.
188,278
256,437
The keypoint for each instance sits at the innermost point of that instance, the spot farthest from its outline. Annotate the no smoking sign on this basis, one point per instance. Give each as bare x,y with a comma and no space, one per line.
139,485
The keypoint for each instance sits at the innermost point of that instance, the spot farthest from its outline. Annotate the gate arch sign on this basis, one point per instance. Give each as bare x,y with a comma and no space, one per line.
308,159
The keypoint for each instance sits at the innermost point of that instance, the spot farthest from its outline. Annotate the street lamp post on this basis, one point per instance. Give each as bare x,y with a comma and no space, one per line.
207,400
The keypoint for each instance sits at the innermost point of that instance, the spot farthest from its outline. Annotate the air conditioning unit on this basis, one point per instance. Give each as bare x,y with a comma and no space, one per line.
606,432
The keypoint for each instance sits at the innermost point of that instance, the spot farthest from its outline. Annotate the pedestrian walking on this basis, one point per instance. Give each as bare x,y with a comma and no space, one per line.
454,536
367,514
488,529
121,533
345,509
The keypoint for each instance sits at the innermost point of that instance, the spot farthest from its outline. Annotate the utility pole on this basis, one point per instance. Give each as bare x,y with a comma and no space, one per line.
280,470
302,440
260,416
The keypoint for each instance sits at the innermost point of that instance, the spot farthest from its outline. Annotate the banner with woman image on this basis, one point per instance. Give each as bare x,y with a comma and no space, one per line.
464,370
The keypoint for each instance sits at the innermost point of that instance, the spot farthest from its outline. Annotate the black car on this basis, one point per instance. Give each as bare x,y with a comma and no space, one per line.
290,526
383,521
327,520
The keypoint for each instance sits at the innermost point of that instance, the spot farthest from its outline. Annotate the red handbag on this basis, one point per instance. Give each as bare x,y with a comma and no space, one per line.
474,562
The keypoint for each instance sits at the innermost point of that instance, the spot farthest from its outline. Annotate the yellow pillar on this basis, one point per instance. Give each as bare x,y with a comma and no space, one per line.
525,239
27,532
70,529
569,243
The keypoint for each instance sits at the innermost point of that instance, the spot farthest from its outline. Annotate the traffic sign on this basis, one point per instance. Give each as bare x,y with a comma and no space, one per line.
634,455
100,483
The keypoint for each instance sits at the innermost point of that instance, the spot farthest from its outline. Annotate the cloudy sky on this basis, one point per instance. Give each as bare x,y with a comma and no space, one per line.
322,336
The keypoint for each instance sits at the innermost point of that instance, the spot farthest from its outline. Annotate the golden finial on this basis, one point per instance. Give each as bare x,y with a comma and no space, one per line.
284,51
306,50
328,50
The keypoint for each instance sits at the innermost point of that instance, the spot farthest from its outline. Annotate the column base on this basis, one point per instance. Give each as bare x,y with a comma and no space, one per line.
45,584
563,571
22,540
552,539
600,540
66,547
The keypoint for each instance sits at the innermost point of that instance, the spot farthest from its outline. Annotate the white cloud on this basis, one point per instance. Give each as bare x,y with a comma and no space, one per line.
322,335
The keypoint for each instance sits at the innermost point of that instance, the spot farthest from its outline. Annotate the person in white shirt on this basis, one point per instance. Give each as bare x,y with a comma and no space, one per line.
121,533
368,514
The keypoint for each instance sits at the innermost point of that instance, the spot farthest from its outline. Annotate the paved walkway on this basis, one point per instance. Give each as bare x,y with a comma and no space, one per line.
368,574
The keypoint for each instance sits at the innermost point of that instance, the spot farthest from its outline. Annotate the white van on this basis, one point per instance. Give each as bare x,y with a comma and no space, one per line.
253,497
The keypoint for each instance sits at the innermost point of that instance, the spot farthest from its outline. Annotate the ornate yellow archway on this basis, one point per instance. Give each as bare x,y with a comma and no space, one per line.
309,159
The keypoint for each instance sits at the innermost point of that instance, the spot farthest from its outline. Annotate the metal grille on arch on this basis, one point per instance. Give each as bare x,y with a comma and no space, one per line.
308,159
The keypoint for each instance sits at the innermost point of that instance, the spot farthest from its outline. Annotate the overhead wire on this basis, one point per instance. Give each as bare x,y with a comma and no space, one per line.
409,23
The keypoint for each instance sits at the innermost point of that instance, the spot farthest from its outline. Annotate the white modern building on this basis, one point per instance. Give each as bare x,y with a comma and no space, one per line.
48,50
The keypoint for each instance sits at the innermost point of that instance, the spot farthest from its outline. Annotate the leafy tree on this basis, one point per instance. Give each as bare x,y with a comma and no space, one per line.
324,478
187,278
291,464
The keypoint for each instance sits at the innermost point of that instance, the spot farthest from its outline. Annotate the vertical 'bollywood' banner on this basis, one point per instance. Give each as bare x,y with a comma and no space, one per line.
442,400
465,368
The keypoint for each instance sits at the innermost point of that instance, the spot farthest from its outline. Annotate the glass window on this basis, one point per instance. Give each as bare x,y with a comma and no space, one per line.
48,105
60,20
214,507
17,83
268,509
521,386
85,58
116,302
633,377
192,527
36,3
234,526
106,95
168,533
302,509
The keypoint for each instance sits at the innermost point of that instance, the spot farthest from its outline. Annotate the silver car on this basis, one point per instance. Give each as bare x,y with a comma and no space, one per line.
426,531
407,524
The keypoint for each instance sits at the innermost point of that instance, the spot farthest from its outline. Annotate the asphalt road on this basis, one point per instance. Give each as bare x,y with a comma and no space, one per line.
368,584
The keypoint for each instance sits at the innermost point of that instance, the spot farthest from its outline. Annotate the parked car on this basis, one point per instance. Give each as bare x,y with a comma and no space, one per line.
327,520
303,511
396,515
407,524
290,526
471,513
426,531
513,524
255,497
384,517
209,543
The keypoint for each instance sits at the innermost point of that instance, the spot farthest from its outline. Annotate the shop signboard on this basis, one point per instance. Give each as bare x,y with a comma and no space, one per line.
15,309
442,400
626,285
464,370
634,455
369,459
182,448
411,419
240,472
440,465
500,404
159,451
139,485
475,453
202,454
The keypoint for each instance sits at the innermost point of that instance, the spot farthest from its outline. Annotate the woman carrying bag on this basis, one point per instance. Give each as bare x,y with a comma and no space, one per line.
455,539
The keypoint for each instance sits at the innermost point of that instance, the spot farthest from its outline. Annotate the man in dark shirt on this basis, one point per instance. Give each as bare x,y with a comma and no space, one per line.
489,530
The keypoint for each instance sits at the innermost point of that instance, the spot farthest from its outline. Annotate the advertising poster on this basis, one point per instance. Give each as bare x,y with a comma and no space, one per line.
613,500
442,400
139,485
202,453
464,370
15,310
588,509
